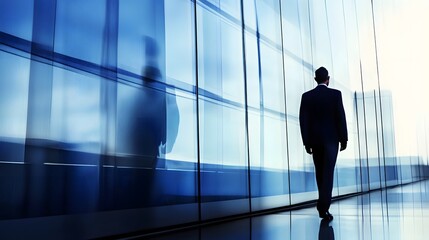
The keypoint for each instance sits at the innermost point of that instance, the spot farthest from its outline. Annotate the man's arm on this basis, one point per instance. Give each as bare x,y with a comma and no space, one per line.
342,124
303,123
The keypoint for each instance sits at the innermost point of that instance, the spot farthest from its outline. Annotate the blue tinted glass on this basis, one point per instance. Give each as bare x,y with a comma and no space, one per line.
305,23
223,145
269,174
16,18
232,8
80,29
370,94
347,167
76,111
372,139
392,176
138,22
272,78
356,120
227,8
152,150
221,71
266,118
181,142
14,73
362,140
302,180
223,160
180,41
322,54
252,72
268,20
130,111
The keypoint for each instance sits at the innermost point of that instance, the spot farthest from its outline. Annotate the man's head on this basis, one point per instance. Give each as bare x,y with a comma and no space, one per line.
322,76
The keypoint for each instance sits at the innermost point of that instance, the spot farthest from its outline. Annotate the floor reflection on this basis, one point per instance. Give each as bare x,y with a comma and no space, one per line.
393,214
326,232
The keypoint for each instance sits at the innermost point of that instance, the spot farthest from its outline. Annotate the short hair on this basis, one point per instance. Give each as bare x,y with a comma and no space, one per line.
321,75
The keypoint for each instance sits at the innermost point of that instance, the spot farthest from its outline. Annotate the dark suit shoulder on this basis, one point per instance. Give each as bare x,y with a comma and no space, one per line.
322,90
334,91
306,94
309,92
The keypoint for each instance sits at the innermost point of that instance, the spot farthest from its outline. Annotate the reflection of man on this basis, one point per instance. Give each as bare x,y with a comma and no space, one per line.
323,127
150,130
326,232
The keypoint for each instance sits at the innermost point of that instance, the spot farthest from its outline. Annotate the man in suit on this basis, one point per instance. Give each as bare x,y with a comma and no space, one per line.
323,128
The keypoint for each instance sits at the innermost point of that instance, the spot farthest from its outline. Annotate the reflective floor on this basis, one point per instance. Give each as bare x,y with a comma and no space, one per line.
397,213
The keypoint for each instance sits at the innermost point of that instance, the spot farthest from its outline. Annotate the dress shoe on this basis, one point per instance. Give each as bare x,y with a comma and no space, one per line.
326,215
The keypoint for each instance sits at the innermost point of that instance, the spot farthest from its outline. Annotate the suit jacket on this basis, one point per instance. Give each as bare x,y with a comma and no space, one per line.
321,117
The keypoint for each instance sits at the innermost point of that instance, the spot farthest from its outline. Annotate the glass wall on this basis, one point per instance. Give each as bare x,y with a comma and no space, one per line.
266,105
117,115
224,180
344,61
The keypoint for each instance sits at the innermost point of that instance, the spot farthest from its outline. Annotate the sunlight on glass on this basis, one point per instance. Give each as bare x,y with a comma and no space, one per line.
403,50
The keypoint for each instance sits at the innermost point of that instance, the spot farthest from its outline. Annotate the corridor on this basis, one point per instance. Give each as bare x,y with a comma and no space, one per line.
392,214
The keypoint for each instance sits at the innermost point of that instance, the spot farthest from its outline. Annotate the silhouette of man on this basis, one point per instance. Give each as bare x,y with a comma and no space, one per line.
150,130
326,232
150,113
323,127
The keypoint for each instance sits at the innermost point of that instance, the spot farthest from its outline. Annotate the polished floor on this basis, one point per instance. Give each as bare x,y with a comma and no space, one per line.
396,213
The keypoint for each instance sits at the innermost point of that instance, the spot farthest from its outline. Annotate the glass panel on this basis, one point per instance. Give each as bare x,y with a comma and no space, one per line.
303,184
75,114
306,52
347,167
268,21
370,90
80,29
354,111
391,169
266,119
272,79
16,18
14,75
122,147
180,51
141,30
391,20
372,138
224,174
230,9
321,41
362,144
223,148
156,144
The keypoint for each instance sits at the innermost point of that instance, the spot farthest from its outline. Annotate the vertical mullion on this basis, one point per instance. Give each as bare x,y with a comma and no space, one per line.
108,98
198,112
284,96
38,127
246,107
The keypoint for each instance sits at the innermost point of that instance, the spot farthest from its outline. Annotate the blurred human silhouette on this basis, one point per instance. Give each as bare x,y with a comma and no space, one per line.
150,130
149,125
326,232
153,106
323,126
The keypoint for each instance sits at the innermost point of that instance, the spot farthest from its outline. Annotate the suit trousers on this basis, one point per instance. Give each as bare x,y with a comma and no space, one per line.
324,158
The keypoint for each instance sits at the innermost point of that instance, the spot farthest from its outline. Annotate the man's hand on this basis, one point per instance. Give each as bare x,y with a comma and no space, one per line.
308,150
343,146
